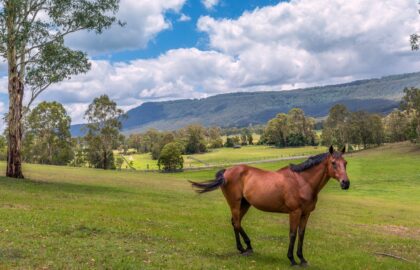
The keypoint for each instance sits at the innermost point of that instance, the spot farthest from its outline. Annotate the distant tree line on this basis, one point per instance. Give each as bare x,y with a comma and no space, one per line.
47,138
364,129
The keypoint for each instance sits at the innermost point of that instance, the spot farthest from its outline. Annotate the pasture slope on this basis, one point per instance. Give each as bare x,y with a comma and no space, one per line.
75,218
220,156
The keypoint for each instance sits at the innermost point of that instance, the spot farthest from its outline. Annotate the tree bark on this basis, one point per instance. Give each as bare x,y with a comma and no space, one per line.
15,88
14,157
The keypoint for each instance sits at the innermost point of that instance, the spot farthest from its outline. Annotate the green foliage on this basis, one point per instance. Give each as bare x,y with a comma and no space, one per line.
214,137
35,31
411,103
79,159
397,126
229,142
119,162
135,141
335,127
48,139
291,129
195,139
358,128
3,148
171,159
103,135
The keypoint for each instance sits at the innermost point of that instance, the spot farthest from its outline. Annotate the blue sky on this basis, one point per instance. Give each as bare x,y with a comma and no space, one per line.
175,49
184,34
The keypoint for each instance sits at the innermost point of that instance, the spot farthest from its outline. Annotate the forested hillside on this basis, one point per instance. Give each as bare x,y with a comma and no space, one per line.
241,109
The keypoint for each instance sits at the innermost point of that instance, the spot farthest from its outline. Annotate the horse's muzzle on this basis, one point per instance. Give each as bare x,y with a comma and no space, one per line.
345,184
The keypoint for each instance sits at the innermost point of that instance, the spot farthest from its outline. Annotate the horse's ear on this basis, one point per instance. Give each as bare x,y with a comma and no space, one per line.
331,150
344,150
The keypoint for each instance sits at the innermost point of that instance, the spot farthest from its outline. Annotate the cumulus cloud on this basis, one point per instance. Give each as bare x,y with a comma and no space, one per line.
290,45
182,73
210,4
184,18
310,41
144,20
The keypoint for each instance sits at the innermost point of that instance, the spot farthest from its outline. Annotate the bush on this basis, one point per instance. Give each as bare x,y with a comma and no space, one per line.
170,159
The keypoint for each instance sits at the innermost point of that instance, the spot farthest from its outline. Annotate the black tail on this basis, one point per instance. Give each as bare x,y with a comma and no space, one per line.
211,185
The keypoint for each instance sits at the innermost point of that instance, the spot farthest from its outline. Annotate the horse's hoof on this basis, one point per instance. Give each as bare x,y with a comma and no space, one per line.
247,252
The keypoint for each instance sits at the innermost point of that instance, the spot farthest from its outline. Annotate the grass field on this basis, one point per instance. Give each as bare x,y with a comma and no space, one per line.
228,156
80,218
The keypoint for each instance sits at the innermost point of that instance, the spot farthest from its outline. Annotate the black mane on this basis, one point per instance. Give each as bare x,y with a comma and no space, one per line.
310,162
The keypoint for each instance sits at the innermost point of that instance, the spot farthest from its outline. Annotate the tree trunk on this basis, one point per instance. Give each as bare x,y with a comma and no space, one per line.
105,162
15,88
14,157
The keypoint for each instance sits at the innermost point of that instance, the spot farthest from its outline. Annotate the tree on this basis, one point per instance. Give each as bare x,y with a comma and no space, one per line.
277,130
335,127
32,36
48,138
411,103
103,135
291,129
229,142
119,162
397,126
415,39
171,159
365,129
250,139
195,140
135,141
215,139
79,159
3,148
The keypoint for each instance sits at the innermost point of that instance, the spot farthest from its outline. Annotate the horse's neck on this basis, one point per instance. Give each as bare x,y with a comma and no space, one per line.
317,176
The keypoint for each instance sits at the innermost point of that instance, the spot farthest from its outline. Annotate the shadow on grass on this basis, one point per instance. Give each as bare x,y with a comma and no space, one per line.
29,185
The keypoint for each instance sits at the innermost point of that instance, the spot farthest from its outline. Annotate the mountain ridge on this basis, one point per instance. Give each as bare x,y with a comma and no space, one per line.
378,95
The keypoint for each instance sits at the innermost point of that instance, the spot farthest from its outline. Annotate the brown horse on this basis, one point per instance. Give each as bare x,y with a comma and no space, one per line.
293,189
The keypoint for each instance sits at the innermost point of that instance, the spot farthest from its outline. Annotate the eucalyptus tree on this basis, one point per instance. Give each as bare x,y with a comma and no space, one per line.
32,36
48,139
103,131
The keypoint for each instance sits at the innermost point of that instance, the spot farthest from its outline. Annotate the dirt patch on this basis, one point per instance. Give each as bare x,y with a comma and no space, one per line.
398,230
14,206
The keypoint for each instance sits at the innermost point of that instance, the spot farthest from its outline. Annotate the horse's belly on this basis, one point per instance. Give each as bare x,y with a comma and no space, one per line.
268,202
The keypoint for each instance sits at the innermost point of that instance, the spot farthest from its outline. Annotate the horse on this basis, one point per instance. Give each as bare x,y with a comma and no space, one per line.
292,189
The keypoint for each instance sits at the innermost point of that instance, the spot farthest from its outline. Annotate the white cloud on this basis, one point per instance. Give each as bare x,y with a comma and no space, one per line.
210,4
310,41
184,18
289,45
144,20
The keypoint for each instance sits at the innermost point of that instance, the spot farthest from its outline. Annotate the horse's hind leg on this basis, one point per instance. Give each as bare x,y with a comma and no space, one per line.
238,211
244,209
236,223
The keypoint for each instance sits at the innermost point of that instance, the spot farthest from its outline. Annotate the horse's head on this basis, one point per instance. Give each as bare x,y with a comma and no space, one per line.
337,167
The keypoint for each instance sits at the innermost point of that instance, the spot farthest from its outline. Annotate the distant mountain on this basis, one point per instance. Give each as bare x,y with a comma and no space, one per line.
241,109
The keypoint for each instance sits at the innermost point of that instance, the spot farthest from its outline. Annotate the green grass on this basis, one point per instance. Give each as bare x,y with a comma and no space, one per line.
223,156
80,218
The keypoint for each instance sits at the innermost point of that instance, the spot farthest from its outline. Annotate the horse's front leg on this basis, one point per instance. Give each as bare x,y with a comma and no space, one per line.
294,219
302,225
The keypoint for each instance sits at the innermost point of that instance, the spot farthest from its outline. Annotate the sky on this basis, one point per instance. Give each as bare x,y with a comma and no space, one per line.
175,49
